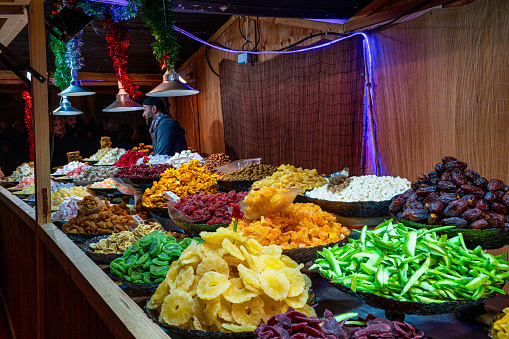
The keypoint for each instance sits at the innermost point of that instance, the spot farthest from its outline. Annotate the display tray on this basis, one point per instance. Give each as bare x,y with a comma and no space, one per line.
12,189
488,239
359,209
236,185
406,307
138,181
102,257
9,181
91,162
64,179
107,190
84,182
160,212
307,254
81,238
195,229
140,287
21,194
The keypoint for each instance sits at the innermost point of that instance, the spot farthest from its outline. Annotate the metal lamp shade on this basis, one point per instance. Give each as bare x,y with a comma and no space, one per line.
75,89
65,108
172,87
123,103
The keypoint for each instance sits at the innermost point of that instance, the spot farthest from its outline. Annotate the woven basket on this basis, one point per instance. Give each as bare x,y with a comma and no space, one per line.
236,185
360,209
195,229
307,254
102,257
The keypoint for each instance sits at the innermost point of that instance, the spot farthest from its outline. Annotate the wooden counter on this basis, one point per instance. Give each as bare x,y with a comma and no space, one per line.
53,290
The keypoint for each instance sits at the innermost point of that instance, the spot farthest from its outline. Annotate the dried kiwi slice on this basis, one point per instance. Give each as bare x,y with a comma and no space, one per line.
142,259
156,247
159,270
159,262
164,256
147,278
147,264
158,280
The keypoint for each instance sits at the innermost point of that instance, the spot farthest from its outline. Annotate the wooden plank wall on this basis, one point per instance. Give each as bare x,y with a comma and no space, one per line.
208,120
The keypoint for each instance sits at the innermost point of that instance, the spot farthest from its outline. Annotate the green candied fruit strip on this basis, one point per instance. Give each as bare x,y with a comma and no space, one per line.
137,275
147,278
168,248
156,247
158,280
116,272
159,262
159,270
118,264
164,256
147,264
127,253
141,252
131,261
127,278
142,259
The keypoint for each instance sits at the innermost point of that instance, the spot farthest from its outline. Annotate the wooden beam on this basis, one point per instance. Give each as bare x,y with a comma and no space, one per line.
394,12
6,11
11,28
369,9
216,35
316,25
37,49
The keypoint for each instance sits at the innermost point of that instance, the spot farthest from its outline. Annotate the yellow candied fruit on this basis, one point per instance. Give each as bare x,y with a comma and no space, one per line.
188,179
298,226
265,201
288,176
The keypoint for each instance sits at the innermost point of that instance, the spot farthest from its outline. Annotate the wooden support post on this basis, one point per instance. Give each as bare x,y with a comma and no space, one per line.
371,116
37,48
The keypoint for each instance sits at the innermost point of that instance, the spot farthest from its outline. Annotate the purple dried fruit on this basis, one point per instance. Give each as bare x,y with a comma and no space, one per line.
471,215
446,186
457,177
447,198
447,159
480,224
495,185
456,165
439,168
493,196
436,207
499,208
455,208
454,221
446,176
480,182
397,204
471,174
482,205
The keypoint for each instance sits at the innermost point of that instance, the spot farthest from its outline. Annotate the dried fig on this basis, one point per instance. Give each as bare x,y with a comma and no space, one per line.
499,208
455,208
482,205
480,224
446,186
493,196
439,168
454,221
480,182
457,177
447,159
495,185
471,215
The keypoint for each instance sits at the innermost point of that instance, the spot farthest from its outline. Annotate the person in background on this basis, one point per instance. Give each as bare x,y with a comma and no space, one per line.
71,133
168,136
124,137
141,135
60,146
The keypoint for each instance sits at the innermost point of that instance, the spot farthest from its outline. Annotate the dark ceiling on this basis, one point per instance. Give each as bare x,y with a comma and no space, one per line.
201,18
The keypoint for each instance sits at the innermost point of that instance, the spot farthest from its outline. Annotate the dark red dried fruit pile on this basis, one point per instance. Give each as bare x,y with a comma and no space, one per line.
456,196
209,206
129,158
295,325
142,171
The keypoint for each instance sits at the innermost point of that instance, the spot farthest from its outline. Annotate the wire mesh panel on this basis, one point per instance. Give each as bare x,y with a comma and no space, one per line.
304,109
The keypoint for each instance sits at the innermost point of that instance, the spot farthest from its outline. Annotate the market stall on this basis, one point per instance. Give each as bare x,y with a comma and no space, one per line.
285,225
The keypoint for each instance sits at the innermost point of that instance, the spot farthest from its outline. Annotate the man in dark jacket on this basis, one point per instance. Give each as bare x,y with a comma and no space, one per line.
168,136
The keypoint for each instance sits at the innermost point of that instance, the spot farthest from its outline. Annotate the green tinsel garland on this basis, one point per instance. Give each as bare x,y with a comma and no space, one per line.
115,12
62,74
159,16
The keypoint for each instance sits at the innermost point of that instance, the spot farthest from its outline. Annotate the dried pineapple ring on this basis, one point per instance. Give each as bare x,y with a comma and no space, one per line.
189,252
184,280
298,301
288,261
249,259
272,307
206,250
253,246
250,312
225,312
239,328
213,264
173,272
296,280
249,276
232,261
197,325
217,237
212,285
307,282
192,260
232,249
237,293
206,311
307,310
177,308
274,284
158,297
264,262
274,251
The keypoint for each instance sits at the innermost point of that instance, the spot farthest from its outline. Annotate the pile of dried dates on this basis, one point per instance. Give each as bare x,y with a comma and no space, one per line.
454,195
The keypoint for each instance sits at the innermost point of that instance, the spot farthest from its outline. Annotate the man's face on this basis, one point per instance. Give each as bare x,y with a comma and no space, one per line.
149,111
71,121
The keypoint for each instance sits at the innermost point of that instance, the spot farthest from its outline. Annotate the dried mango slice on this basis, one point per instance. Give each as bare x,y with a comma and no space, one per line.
177,308
274,284
213,264
249,313
238,293
212,285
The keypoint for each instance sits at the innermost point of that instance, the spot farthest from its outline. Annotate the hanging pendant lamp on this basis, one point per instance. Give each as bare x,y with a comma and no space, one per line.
75,89
123,103
65,108
172,87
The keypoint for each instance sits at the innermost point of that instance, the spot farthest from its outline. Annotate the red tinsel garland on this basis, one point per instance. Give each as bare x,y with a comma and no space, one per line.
29,121
117,38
